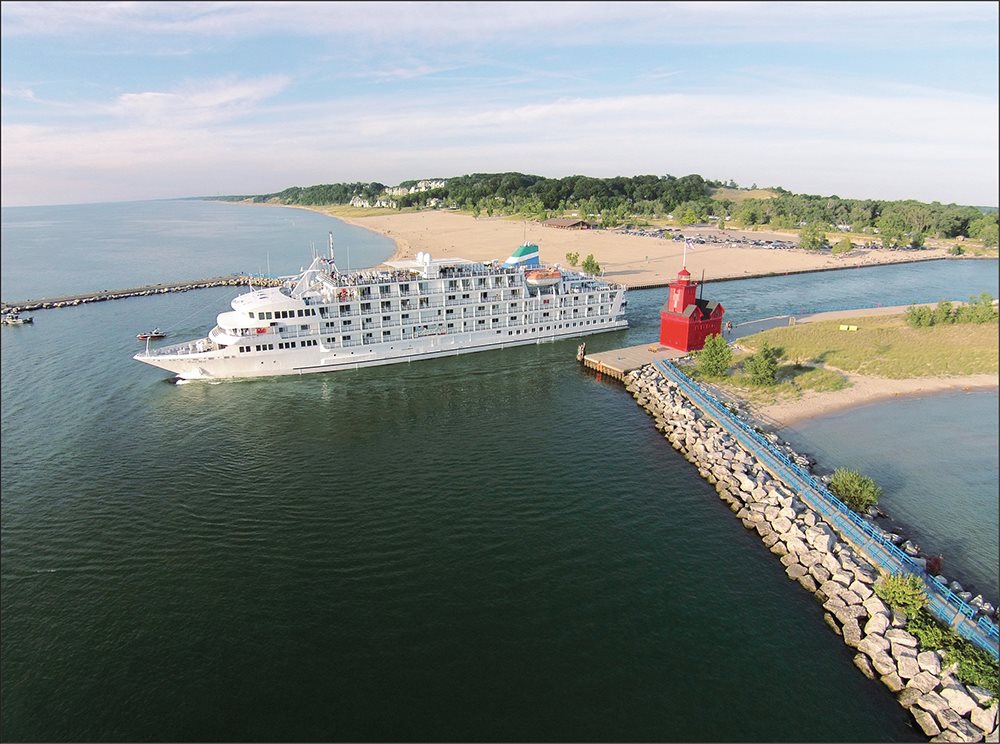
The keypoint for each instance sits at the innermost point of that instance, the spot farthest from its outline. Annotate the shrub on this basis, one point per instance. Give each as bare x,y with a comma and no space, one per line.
975,666
943,313
590,265
843,246
762,367
956,250
573,259
979,309
919,317
858,491
904,592
714,359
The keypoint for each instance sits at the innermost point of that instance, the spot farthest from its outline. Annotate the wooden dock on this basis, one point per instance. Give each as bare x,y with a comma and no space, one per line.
619,362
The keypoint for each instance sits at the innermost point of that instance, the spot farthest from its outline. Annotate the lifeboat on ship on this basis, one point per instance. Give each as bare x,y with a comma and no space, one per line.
542,277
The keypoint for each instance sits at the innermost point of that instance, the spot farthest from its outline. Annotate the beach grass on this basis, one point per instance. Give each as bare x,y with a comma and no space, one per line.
793,380
885,346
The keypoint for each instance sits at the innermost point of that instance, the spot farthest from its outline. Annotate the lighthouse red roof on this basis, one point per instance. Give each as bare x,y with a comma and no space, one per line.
683,272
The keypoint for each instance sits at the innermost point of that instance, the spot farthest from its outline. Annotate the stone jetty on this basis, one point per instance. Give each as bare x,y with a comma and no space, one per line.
232,280
824,564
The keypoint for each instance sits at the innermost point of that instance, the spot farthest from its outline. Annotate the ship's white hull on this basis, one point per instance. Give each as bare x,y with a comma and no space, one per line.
325,321
218,365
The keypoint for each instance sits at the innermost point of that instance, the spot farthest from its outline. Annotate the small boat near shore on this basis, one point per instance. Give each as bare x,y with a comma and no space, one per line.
16,319
151,335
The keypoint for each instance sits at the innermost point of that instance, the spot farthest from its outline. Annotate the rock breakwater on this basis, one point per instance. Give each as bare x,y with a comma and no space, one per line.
121,294
824,564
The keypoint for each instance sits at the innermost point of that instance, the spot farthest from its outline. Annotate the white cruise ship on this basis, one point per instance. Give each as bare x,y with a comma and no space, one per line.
324,321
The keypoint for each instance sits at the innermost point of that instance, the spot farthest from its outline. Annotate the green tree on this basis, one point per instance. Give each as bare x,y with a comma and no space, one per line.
590,265
812,236
858,491
715,357
762,367
893,229
573,259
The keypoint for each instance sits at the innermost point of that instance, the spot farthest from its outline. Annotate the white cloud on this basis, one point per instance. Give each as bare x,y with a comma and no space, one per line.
887,150
557,23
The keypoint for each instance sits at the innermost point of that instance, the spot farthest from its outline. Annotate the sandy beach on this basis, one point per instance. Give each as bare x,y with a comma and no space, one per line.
632,260
864,390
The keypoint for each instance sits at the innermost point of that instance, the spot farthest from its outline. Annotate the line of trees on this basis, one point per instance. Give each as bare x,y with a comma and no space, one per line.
688,199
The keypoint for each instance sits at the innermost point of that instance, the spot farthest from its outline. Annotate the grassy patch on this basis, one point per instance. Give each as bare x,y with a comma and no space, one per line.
793,381
885,346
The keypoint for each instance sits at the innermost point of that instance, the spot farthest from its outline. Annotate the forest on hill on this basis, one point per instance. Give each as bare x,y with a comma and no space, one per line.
636,200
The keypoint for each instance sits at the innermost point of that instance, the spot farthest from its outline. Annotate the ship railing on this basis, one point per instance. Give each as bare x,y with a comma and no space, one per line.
188,347
350,342
942,602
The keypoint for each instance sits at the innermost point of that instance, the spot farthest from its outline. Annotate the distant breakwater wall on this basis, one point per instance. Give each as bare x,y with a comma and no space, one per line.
823,563
233,280
764,275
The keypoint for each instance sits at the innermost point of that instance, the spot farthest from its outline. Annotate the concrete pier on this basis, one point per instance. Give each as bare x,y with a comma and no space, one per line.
619,362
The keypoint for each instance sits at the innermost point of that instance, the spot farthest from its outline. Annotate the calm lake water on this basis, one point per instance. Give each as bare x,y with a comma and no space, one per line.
491,547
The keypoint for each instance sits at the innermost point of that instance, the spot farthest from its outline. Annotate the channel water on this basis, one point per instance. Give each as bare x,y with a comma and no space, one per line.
490,547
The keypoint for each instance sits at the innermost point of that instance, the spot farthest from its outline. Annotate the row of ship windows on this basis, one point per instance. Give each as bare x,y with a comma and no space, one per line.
332,340
281,345
406,317
364,307
278,314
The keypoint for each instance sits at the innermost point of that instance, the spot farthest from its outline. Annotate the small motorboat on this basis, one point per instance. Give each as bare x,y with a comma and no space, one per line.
151,335
16,319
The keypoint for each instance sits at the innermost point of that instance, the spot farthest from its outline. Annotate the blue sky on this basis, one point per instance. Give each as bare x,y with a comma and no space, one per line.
141,100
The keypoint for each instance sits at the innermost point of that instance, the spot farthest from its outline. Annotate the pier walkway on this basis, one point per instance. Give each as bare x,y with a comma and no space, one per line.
619,362
943,603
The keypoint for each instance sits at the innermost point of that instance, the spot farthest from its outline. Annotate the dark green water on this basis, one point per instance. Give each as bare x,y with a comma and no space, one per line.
492,547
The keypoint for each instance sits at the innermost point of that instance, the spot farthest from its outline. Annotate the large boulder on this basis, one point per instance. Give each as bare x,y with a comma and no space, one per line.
893,682
907,666
878,623
819,572
863,663
861,589
901,637
957,698
924,682
932,702
984,719
852,633
874,645
929,661
925,721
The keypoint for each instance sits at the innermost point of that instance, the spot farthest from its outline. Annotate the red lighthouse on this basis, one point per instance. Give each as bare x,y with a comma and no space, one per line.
687,320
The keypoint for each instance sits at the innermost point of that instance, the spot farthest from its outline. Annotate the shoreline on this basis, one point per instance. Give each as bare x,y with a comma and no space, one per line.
866,391
638,262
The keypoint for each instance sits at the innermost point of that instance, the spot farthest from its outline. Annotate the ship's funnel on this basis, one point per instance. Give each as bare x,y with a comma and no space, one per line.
525,255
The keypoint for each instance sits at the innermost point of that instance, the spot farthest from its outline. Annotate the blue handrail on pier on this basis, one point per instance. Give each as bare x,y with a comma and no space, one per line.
942,602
